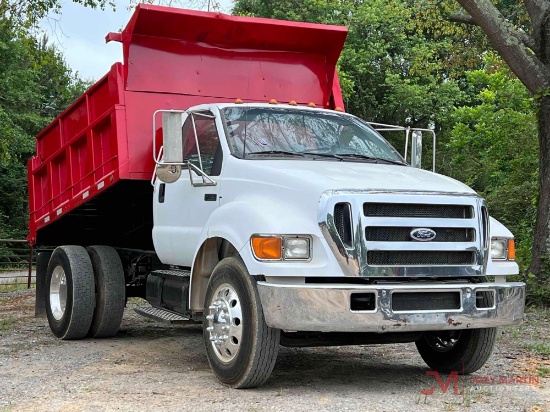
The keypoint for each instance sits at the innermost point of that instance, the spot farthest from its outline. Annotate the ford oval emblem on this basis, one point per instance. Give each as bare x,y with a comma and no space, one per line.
423,234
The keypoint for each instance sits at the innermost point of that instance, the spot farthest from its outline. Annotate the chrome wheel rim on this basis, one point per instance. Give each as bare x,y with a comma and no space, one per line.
58,293
225,326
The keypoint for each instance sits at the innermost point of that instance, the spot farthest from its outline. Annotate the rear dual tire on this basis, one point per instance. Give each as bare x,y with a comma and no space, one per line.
70,292
85,292
110,291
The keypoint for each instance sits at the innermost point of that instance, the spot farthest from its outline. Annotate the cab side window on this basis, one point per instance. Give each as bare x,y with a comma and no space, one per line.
209,144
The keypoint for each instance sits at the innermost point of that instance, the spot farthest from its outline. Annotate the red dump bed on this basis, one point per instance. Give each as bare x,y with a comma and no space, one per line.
173,59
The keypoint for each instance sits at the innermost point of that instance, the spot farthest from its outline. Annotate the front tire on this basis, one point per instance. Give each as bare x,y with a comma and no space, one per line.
110,291
464,351
70,292
241,348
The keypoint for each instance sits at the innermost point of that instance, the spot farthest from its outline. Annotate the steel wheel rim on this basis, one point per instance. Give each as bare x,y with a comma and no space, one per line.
225,328
58,293
443,342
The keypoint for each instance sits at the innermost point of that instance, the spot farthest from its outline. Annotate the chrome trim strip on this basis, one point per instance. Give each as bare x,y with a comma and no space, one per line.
422,246
326,308
420,222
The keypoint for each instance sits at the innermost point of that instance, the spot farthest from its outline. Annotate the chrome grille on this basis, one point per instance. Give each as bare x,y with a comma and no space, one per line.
369,233
418,210
411,258
403,234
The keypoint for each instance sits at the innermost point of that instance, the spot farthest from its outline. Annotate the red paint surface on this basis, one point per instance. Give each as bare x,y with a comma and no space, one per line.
173,59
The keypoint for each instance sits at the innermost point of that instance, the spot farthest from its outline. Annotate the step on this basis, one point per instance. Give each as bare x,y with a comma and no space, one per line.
162,315
171,272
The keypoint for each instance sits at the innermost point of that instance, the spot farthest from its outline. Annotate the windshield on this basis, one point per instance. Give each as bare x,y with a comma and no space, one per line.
264,131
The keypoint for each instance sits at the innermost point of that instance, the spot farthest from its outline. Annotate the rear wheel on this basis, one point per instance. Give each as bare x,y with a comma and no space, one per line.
241,348
464,351
70,292
110,289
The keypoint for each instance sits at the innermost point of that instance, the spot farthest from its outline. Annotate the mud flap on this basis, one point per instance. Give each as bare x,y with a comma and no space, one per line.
42,260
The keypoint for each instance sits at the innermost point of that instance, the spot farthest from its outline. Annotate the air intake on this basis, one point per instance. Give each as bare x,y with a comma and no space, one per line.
342,222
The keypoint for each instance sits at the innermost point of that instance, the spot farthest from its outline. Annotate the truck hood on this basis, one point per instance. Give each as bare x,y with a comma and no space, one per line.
327,175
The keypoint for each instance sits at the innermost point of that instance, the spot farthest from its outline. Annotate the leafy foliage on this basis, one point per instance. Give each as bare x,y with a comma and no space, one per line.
35,85
26,14
494,149
401,59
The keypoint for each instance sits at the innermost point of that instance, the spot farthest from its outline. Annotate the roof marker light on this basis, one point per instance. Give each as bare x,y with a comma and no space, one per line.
339,109
238,101
293,103
311,104
272,101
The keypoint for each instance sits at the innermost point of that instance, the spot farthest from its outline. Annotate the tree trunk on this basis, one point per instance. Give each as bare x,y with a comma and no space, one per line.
540,263
540,256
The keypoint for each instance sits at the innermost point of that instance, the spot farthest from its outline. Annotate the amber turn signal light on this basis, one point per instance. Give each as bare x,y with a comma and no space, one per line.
269,248
511,249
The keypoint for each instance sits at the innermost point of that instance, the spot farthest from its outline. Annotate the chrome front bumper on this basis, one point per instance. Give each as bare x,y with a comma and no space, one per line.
327,307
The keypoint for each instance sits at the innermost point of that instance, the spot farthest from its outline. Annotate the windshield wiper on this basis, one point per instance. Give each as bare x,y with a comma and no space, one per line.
334,156
365,157
275,152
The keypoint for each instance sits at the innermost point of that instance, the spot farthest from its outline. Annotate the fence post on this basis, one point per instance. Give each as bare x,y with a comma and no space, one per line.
30,267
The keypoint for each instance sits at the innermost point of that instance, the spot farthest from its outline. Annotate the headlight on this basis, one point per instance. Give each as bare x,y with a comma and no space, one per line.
281,247
502,249
296,248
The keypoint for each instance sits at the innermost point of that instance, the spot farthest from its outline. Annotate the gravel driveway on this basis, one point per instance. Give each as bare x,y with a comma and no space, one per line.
156,367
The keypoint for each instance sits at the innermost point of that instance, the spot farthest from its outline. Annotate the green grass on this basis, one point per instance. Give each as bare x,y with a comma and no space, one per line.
539,348
543,371
7,324
15,284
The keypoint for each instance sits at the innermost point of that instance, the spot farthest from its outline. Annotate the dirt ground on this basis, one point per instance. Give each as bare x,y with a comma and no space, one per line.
155,367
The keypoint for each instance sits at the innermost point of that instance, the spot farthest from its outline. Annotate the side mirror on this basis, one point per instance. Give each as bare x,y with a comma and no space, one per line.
168,173
170,169
172,137
416,149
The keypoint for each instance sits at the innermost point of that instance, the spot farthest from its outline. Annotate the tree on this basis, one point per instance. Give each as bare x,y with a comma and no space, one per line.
26,14
527,53
400,64
494,149
35,86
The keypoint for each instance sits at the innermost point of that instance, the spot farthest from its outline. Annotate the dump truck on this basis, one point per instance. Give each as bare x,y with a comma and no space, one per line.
215,174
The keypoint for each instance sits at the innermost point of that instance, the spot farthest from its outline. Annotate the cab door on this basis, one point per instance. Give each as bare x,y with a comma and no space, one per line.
182,208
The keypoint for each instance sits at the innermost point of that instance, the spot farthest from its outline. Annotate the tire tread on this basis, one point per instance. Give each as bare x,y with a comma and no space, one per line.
109,311
83,292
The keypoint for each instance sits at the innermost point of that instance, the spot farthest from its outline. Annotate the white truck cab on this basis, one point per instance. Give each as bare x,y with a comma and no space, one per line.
338,234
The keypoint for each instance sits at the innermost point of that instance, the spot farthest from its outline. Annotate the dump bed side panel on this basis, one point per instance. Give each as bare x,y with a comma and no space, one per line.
79,154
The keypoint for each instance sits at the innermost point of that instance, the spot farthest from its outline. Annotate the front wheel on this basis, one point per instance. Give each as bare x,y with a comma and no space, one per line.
464,351
241,348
